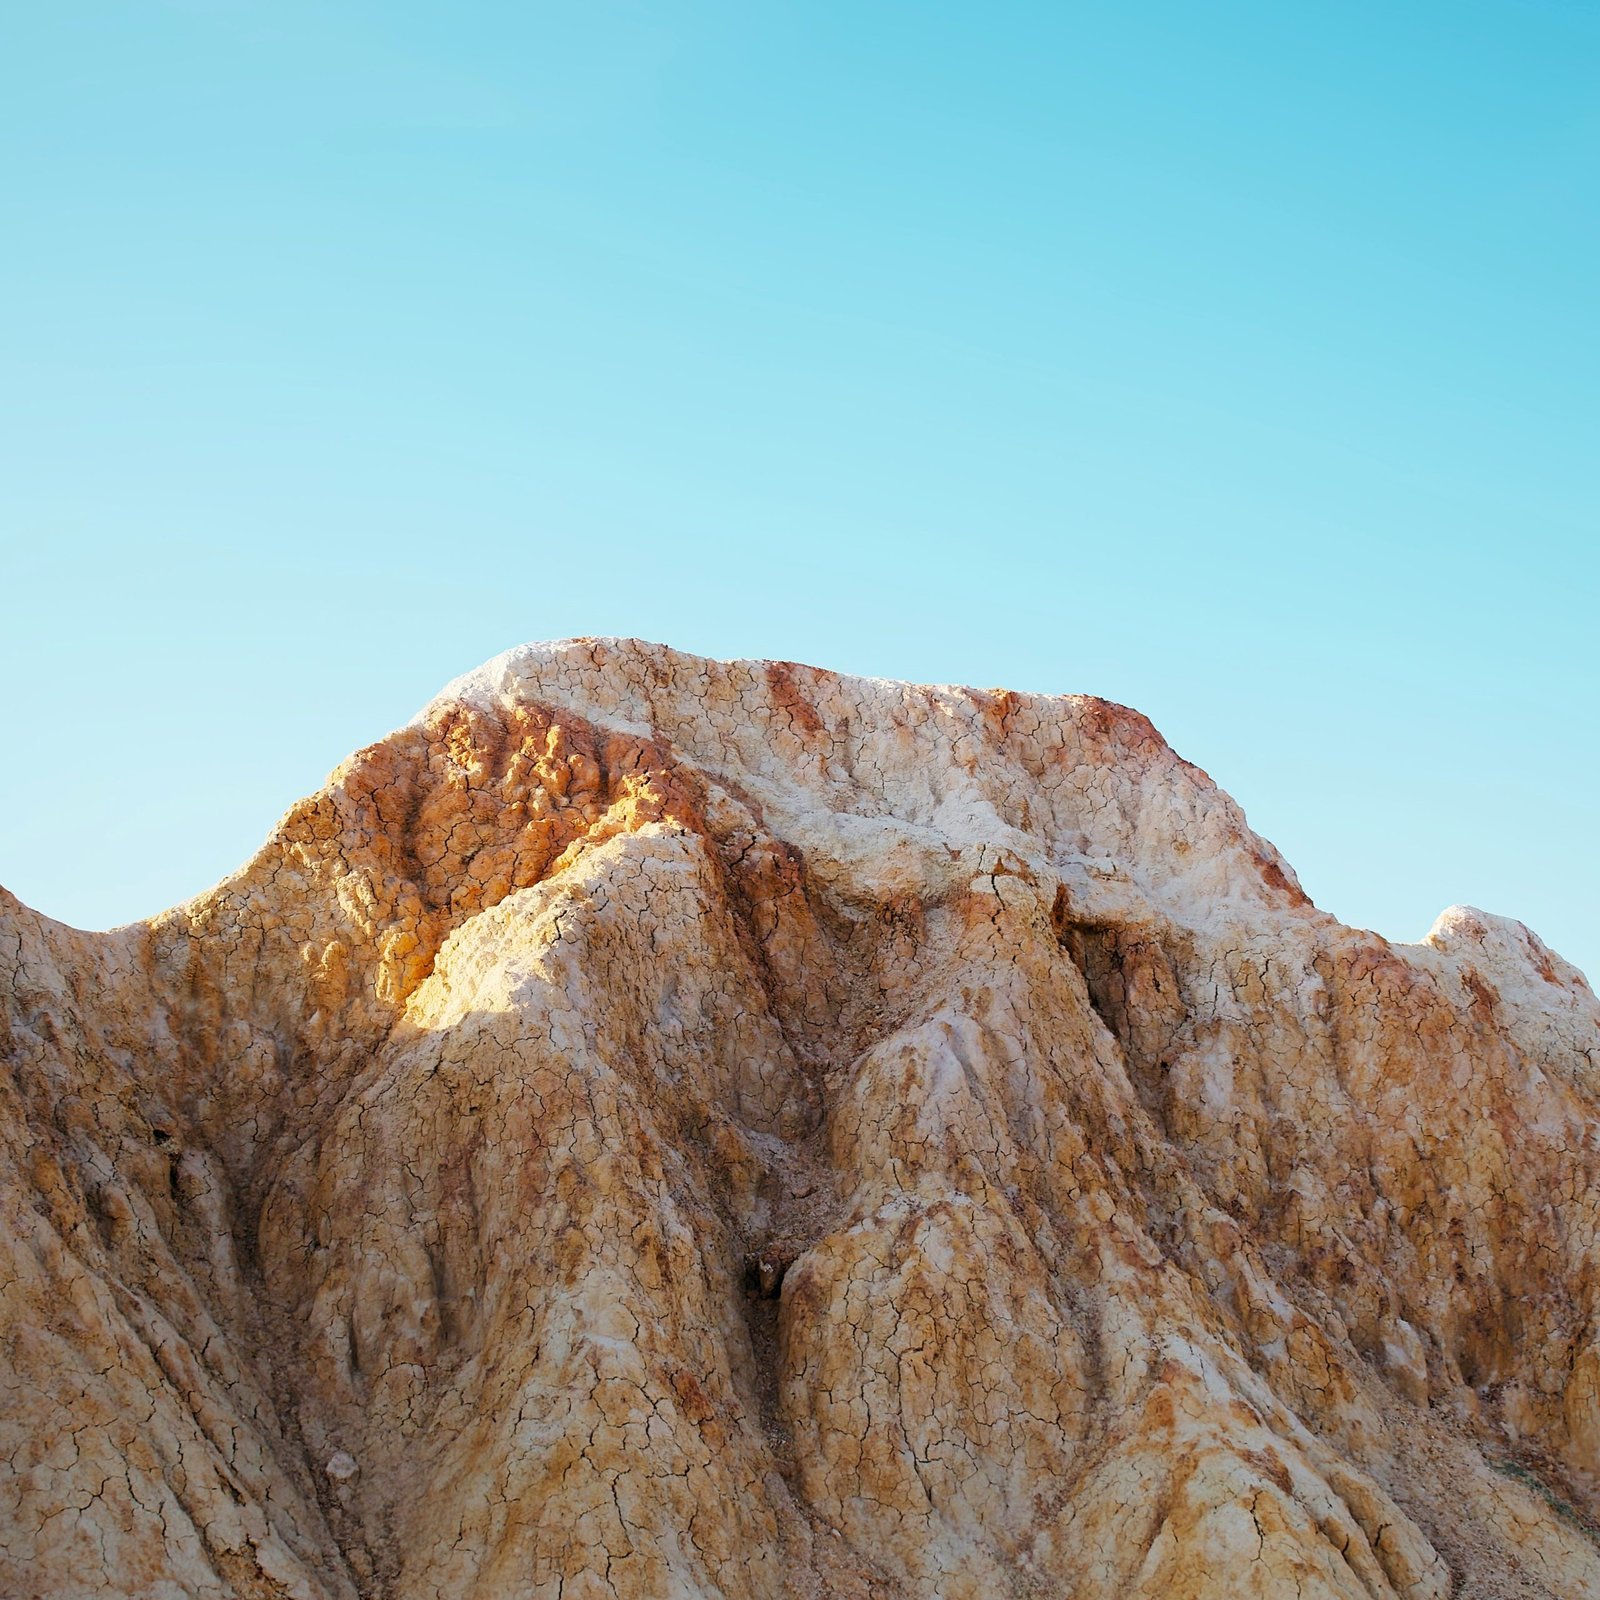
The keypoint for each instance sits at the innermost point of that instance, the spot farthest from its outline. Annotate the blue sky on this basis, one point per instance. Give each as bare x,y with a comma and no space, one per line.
1235,362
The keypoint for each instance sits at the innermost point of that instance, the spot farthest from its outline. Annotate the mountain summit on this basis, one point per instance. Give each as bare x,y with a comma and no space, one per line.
658,1128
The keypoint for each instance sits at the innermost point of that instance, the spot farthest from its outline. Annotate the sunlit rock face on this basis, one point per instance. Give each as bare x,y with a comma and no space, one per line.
664,1128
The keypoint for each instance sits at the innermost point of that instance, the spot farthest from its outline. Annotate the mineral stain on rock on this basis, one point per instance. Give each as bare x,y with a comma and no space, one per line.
658,1127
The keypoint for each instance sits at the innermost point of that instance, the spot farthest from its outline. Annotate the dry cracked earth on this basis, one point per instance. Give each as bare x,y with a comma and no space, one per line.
660,1128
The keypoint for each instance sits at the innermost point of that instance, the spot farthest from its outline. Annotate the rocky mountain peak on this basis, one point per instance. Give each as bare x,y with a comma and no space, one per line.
666,1127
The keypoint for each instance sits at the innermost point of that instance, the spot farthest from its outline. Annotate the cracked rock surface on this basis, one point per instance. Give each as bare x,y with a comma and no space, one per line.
659,1128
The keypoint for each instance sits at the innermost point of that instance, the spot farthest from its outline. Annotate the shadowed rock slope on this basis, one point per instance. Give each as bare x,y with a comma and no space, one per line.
658,1127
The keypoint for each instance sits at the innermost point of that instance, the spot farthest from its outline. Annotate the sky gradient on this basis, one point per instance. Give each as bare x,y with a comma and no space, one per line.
1233,362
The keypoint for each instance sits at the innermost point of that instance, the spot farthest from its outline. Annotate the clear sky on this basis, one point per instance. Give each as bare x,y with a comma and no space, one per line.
1237,362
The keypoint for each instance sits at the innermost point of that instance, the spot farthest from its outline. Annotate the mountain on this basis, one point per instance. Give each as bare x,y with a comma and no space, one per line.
661,1128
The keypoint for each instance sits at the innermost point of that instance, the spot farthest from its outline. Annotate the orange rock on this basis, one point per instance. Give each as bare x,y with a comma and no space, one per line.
664,1127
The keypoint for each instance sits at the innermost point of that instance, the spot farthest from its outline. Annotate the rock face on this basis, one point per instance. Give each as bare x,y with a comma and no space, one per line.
658,1128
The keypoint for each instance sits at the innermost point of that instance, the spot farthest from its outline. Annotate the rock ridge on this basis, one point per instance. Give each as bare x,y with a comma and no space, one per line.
656,1126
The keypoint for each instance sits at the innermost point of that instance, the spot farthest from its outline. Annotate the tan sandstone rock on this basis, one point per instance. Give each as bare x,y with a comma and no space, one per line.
668,1128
